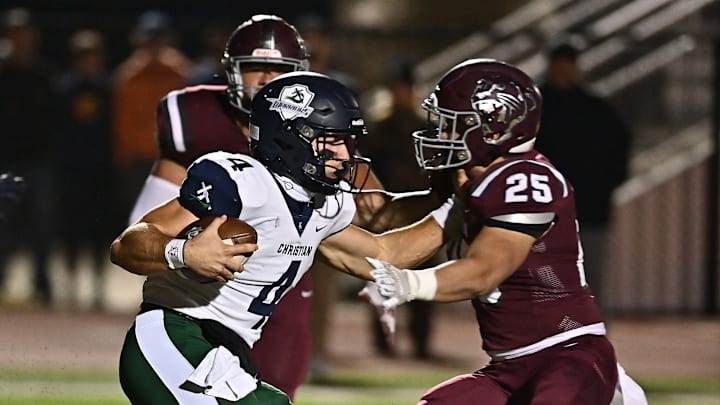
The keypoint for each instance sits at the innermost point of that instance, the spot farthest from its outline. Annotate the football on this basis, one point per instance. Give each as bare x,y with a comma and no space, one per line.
233,231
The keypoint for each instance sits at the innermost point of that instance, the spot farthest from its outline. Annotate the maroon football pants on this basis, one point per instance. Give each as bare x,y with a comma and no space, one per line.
579,371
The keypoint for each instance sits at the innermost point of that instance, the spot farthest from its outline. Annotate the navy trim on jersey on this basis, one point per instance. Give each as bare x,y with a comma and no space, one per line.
208,190
300,211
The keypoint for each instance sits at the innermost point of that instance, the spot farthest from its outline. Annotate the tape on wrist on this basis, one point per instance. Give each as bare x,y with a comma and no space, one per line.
441,213
174,251
423,284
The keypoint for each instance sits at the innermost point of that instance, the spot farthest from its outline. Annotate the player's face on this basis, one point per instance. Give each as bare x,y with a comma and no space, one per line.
334,151
256,75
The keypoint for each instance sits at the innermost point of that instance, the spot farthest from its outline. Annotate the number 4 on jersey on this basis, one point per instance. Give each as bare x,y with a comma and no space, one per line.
239,164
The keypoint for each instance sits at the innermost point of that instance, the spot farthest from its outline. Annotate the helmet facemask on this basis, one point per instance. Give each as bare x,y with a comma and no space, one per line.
444,146
239,94
344,171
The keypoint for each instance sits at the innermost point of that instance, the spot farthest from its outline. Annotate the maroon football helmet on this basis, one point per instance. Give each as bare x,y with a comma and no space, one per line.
261,39
481,109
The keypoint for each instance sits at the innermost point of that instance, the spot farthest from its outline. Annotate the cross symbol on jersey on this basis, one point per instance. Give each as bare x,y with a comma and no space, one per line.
203,194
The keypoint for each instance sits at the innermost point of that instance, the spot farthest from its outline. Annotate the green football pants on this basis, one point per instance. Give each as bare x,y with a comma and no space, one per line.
161,350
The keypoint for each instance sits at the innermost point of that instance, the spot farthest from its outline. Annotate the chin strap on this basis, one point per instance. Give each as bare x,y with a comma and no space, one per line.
397,195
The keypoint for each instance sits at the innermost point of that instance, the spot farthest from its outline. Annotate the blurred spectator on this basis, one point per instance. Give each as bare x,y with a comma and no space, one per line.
393,160
574,119
12,189
28,119
86,172
154,68
396,129
209,68
316,32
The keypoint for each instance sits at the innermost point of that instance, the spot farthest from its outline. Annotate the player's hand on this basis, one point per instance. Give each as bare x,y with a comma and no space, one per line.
371,294
393,283
208,256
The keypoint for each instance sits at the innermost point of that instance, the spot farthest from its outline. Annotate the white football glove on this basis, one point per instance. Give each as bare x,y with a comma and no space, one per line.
386,316
393,283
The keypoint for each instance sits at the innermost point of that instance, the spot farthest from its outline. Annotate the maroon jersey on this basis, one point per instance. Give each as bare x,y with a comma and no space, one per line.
197,120
546,295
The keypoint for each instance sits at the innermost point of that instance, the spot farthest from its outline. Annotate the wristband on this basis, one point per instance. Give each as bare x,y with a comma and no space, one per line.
441,213
422,283
174,253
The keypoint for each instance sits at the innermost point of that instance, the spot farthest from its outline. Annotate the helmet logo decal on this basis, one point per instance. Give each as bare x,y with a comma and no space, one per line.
501,107
293,102
495,99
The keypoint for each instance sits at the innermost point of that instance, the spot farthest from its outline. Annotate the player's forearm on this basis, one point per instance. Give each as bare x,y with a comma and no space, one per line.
412,245
464,279
140,249
403,247
491,259
355,266
344,251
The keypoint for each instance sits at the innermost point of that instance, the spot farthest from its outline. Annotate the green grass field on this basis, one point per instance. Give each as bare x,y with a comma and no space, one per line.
345,387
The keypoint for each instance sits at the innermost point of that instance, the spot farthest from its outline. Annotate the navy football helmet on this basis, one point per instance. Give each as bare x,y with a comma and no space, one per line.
481,109
293,117
261,39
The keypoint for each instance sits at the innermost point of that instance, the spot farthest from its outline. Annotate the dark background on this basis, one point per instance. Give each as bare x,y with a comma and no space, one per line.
57,20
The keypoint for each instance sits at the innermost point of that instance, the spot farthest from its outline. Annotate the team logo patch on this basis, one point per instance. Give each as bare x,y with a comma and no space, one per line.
293,102
202,196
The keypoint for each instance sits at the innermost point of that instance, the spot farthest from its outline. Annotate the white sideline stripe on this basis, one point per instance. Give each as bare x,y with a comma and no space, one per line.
168,363
178,136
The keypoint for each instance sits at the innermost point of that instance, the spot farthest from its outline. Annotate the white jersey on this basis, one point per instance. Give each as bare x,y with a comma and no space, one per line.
289,233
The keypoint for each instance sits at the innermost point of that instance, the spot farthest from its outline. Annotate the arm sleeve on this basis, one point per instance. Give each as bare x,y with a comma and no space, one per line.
155,191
